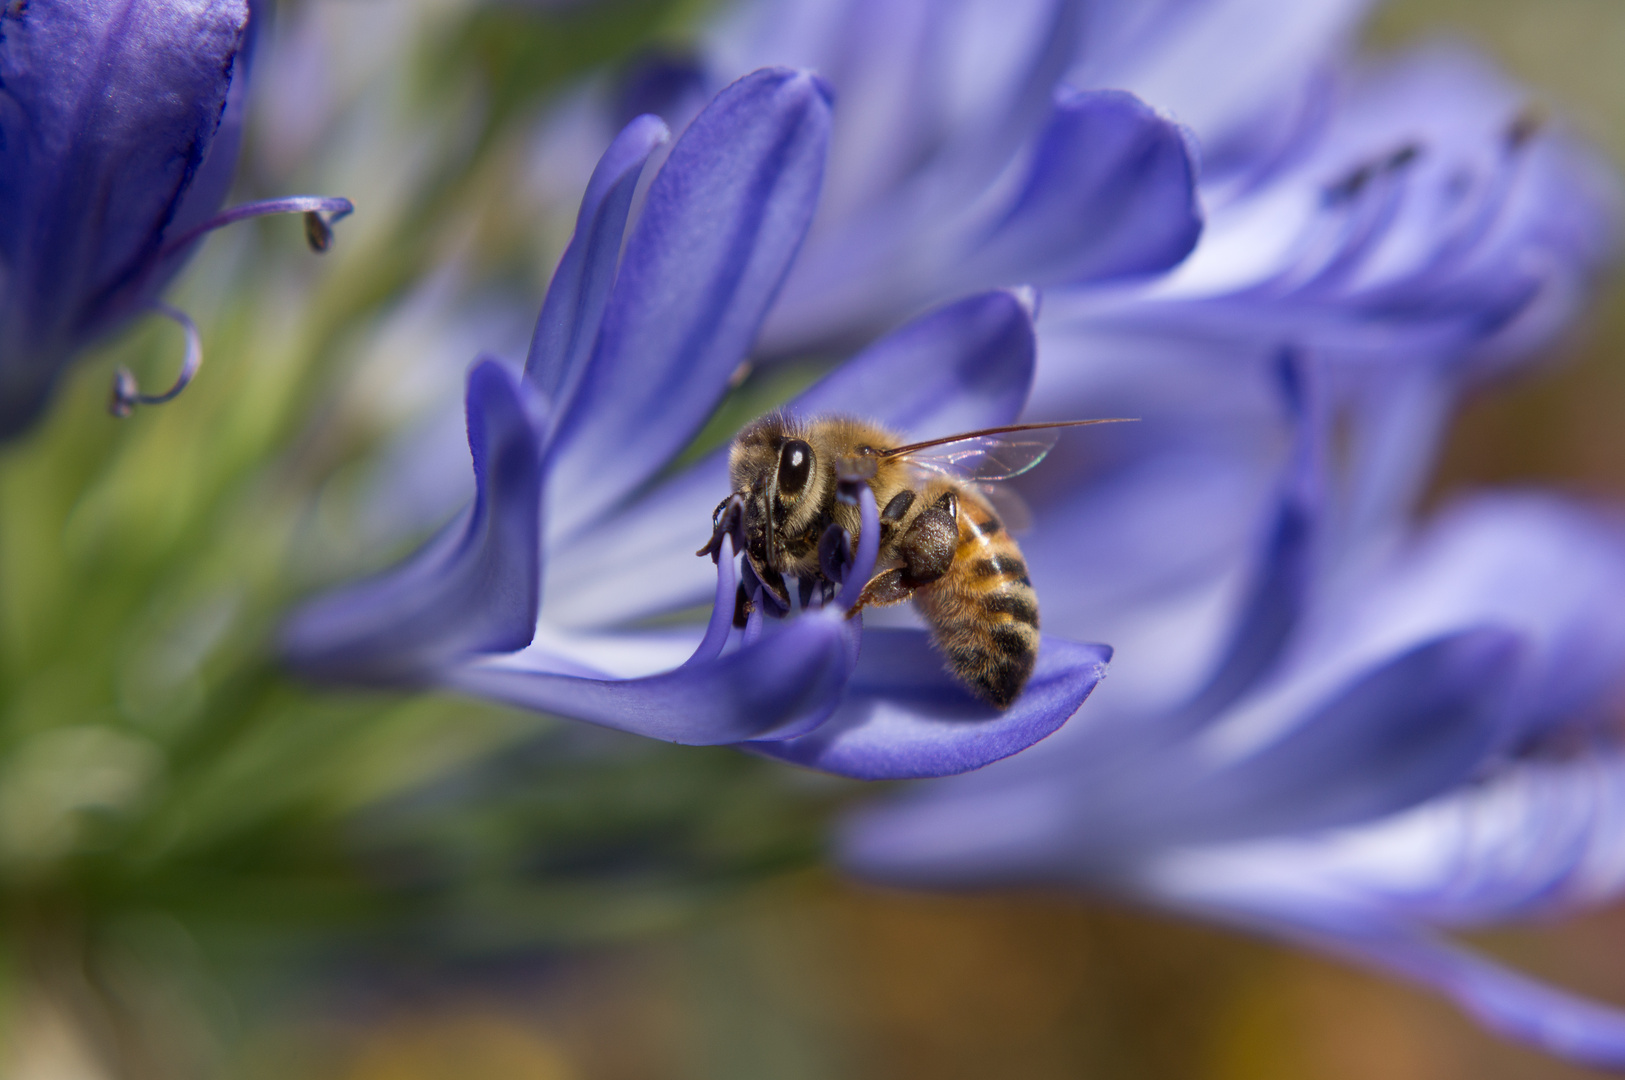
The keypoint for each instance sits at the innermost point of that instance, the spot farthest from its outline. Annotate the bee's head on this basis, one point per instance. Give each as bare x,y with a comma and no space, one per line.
775,469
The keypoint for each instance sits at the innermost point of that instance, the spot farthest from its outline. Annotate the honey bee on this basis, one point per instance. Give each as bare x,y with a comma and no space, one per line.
941,542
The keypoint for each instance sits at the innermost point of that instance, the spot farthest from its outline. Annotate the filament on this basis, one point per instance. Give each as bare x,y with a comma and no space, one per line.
127,392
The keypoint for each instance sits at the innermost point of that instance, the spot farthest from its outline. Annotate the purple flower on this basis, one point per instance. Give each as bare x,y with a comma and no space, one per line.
960,160
1422,213
120,122
1347,741
1395,211
581,533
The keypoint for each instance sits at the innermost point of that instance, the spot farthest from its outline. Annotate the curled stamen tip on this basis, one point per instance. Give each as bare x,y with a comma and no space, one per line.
121,402
127,393
318,233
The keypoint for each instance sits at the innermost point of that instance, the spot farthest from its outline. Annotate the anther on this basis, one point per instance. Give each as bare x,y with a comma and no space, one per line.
318,233
1357,179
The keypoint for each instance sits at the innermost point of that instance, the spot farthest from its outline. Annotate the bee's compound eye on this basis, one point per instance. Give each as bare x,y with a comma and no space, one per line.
795,466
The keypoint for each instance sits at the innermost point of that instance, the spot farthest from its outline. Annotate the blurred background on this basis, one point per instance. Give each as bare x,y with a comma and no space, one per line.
296,886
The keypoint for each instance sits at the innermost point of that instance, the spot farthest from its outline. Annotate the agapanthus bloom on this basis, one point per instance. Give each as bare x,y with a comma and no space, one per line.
120,122
581,532
1389,739
960,159
1325,723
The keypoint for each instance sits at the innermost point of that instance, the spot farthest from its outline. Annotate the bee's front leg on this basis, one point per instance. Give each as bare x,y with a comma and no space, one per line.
727,519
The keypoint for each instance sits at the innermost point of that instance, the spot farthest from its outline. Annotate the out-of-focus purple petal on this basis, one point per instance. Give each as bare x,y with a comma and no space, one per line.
106,117
1422,722
1264,624
1111,193
941,88
964,367
1430,221
1240,73
1269,894
790,677
1539,566
722,223
473,589
1536,838
568,326
904,716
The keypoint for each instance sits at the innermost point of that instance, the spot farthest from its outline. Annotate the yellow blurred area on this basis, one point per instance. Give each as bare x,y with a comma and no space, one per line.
456,1044
814,978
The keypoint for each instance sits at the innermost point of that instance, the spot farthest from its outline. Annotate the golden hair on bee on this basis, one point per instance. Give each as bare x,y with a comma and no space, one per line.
941,542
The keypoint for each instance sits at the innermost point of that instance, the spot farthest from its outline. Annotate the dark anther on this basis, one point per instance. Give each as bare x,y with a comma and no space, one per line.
795,466
834,553
1524,127
742,606
121,402
318,233
1350,186
1402,157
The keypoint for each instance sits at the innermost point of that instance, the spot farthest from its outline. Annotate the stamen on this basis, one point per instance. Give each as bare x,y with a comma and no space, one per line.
127,393
318,230
1356,180
863,564
722,613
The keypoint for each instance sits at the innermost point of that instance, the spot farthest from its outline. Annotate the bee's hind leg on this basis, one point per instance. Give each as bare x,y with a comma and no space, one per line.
927,551
928,548
883,590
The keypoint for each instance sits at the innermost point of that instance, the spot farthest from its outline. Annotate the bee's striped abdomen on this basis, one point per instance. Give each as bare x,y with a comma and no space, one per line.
983,612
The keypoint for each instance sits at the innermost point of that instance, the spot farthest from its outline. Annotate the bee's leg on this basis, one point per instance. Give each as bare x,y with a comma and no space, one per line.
728,517
883,590
927,551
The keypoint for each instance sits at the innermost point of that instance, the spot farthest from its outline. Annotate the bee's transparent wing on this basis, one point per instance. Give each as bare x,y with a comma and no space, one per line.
985,458
990,454
1014,513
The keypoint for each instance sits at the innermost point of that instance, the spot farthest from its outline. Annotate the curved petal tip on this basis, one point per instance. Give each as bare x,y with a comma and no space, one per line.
905,717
